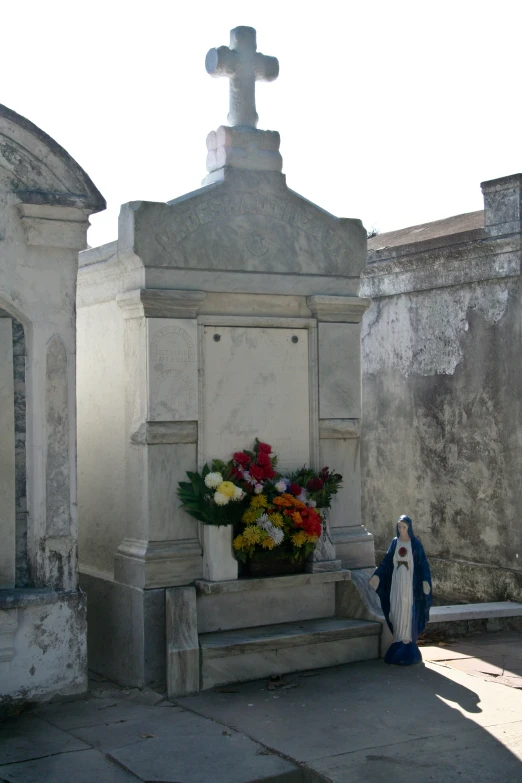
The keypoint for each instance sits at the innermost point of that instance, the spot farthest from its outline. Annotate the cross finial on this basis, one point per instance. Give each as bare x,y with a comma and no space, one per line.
244,66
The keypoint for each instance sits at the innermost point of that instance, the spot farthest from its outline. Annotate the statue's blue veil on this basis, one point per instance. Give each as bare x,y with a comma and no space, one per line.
406,519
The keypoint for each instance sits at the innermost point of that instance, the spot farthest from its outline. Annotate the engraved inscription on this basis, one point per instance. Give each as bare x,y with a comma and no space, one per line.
172,369
231,205
171,345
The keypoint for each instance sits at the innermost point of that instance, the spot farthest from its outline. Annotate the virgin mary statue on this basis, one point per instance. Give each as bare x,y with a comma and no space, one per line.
403,584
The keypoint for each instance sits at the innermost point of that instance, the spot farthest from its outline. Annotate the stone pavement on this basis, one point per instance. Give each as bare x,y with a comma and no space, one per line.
458,717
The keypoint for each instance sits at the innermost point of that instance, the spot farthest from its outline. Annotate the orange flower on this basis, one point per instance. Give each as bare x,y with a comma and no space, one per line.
296,516
283,501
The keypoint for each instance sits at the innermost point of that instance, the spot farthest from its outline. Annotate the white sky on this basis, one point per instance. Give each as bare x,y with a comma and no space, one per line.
393,112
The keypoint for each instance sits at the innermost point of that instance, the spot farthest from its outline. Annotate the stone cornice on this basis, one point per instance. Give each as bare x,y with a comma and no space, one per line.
338,309
160,303
157,433
416,267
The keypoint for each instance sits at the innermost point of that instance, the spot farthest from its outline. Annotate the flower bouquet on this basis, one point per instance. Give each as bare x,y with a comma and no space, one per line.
276,519
211,497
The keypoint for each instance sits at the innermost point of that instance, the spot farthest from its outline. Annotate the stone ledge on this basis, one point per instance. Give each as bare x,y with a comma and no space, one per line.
160,303
486,611
338,309
205,587
340,429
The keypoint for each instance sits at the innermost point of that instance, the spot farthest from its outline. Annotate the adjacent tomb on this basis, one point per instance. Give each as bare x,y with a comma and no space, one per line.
45,203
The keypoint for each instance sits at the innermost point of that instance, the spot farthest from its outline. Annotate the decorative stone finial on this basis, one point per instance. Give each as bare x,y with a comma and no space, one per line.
243,65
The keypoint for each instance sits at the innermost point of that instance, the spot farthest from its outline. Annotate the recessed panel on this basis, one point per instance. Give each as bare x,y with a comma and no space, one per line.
256,384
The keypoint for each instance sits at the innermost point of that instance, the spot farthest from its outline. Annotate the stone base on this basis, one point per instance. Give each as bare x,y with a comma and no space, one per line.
126,640
158,563
323,566
43,645
354,546
253,653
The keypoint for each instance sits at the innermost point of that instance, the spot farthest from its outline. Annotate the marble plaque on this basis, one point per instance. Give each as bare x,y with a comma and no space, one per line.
256,383
7,457
173,369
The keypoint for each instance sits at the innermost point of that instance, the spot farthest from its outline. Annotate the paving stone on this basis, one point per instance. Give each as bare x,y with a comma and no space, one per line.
435,653
92,712
86,766
168,726
448,758
191,749
29,737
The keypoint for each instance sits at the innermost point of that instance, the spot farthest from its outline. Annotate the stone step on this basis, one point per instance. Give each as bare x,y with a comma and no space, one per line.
252,653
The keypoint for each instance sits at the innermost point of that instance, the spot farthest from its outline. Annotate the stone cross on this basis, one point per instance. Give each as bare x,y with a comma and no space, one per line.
244,66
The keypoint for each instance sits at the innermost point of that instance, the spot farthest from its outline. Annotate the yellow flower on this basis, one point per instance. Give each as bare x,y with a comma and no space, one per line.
300,538
268,543
253,535
259,501
227,488
239,542
249,516
276,519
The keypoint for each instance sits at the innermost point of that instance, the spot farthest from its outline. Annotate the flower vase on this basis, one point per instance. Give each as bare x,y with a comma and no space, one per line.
219,563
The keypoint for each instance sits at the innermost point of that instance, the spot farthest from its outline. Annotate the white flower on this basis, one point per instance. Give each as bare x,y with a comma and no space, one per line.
275,533
281,486
302,497
220,499
213,480
238,494
312,503
258,489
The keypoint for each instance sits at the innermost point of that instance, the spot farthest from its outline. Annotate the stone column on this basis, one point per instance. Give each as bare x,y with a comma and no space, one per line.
53,235
339,331
161,546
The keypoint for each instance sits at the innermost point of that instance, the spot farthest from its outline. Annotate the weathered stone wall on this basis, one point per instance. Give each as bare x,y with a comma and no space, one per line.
442,383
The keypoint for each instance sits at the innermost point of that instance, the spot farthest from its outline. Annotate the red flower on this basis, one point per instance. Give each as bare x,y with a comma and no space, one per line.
403,551
270,473
295,489
257,473
242,459
264,460
312,523
315,484
264,448
237,473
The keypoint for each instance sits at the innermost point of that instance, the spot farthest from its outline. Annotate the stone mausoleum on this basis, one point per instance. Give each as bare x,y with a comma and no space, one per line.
225,314
45,203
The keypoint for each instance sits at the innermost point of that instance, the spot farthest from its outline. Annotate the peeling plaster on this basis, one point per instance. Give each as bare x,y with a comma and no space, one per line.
421,333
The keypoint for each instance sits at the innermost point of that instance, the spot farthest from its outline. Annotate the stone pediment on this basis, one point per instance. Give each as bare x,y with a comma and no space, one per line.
39,170
250,222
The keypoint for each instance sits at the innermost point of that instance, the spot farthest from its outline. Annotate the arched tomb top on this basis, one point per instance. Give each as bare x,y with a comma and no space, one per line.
40,170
